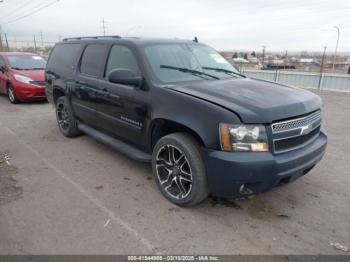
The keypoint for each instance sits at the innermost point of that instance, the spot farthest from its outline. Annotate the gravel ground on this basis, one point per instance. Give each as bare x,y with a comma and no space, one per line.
76,196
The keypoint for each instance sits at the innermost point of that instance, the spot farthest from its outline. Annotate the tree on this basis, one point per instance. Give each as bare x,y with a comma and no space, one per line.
246,56
253,54
235,55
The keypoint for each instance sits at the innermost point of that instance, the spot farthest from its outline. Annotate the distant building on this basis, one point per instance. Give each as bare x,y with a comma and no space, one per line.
307,61
304,61
340,65
240,60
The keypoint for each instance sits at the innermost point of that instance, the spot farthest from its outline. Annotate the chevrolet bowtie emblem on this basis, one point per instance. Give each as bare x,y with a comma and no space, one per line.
304,130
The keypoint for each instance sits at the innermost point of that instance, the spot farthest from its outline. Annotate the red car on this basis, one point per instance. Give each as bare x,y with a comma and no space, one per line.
22,76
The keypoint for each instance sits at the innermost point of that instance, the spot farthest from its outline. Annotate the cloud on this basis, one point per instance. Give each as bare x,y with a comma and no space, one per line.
225,24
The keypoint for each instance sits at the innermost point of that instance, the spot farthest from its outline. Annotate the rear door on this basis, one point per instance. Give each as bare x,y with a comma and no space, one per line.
61,67
123,108
85,92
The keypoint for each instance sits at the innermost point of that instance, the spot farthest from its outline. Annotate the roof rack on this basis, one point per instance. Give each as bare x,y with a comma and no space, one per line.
91,37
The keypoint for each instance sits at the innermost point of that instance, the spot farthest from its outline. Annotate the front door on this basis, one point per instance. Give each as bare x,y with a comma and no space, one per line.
123,109
85,90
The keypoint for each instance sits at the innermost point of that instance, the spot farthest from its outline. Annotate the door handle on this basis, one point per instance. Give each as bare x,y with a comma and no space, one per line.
116,97
103,92
79,84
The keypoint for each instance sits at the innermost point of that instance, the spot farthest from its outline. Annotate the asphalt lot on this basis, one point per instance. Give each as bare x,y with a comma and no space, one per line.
76,196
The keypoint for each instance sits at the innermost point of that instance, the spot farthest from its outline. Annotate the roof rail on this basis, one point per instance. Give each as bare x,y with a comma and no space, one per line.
90,37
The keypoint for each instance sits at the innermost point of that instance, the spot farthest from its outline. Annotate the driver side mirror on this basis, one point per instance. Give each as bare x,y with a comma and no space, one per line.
3,69
125,77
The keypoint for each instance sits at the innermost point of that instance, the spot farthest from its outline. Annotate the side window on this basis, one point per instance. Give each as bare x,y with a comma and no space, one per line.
122,57
93,59
63,58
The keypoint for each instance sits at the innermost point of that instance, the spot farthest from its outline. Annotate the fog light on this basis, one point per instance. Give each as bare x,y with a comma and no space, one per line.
241,189
245,190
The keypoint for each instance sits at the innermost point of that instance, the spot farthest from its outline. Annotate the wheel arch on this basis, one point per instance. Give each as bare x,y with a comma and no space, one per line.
161,127
57,92
7,85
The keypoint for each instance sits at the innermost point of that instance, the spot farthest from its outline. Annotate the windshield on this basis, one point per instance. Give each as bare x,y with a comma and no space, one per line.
187,62
26,62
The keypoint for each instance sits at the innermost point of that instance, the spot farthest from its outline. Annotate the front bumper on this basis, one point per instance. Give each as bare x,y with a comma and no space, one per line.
238,174
29,92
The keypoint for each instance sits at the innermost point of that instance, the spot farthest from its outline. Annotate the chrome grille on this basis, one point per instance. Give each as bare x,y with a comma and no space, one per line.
297,123
294,142
295,133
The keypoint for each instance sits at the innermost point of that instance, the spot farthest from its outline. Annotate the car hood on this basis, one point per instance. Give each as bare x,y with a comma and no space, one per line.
255,101
36,75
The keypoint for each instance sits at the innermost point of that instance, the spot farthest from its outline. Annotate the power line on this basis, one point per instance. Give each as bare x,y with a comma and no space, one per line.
14,10
31,13
30,8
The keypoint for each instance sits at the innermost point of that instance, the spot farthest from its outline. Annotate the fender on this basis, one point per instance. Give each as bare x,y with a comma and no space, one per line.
200,116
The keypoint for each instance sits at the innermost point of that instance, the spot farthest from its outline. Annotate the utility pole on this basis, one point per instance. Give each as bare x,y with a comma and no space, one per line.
15,42
103,27
7,43
322,66
323,58
42,38
336,46
1,1
285,59
1,47
263,55
35,48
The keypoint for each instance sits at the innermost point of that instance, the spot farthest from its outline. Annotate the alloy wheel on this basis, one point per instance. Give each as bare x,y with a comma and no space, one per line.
11,94
174,172
63,116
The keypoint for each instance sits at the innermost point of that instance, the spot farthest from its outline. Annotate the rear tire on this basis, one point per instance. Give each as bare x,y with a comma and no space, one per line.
11,94
66,121
179,169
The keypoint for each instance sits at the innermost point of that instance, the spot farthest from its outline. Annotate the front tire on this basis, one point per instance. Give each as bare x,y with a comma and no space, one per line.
179,169
12,95
66,121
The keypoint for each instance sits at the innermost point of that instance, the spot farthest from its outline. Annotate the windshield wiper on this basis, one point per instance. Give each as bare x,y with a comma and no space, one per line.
187,70
226,71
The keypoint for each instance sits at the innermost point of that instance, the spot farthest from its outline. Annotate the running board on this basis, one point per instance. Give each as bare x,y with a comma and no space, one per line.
116,144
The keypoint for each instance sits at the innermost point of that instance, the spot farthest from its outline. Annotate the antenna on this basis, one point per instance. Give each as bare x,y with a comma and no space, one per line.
104,29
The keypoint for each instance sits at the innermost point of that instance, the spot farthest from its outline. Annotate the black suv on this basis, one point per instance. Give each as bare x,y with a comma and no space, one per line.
179,104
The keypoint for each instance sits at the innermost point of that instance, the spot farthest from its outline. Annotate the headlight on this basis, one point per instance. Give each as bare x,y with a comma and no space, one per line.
23,79
243,138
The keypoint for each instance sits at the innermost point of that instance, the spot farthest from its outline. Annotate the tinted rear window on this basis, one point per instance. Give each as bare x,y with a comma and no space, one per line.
93,60
63,58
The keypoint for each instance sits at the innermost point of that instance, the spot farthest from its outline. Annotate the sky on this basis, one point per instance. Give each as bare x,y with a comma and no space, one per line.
296,25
